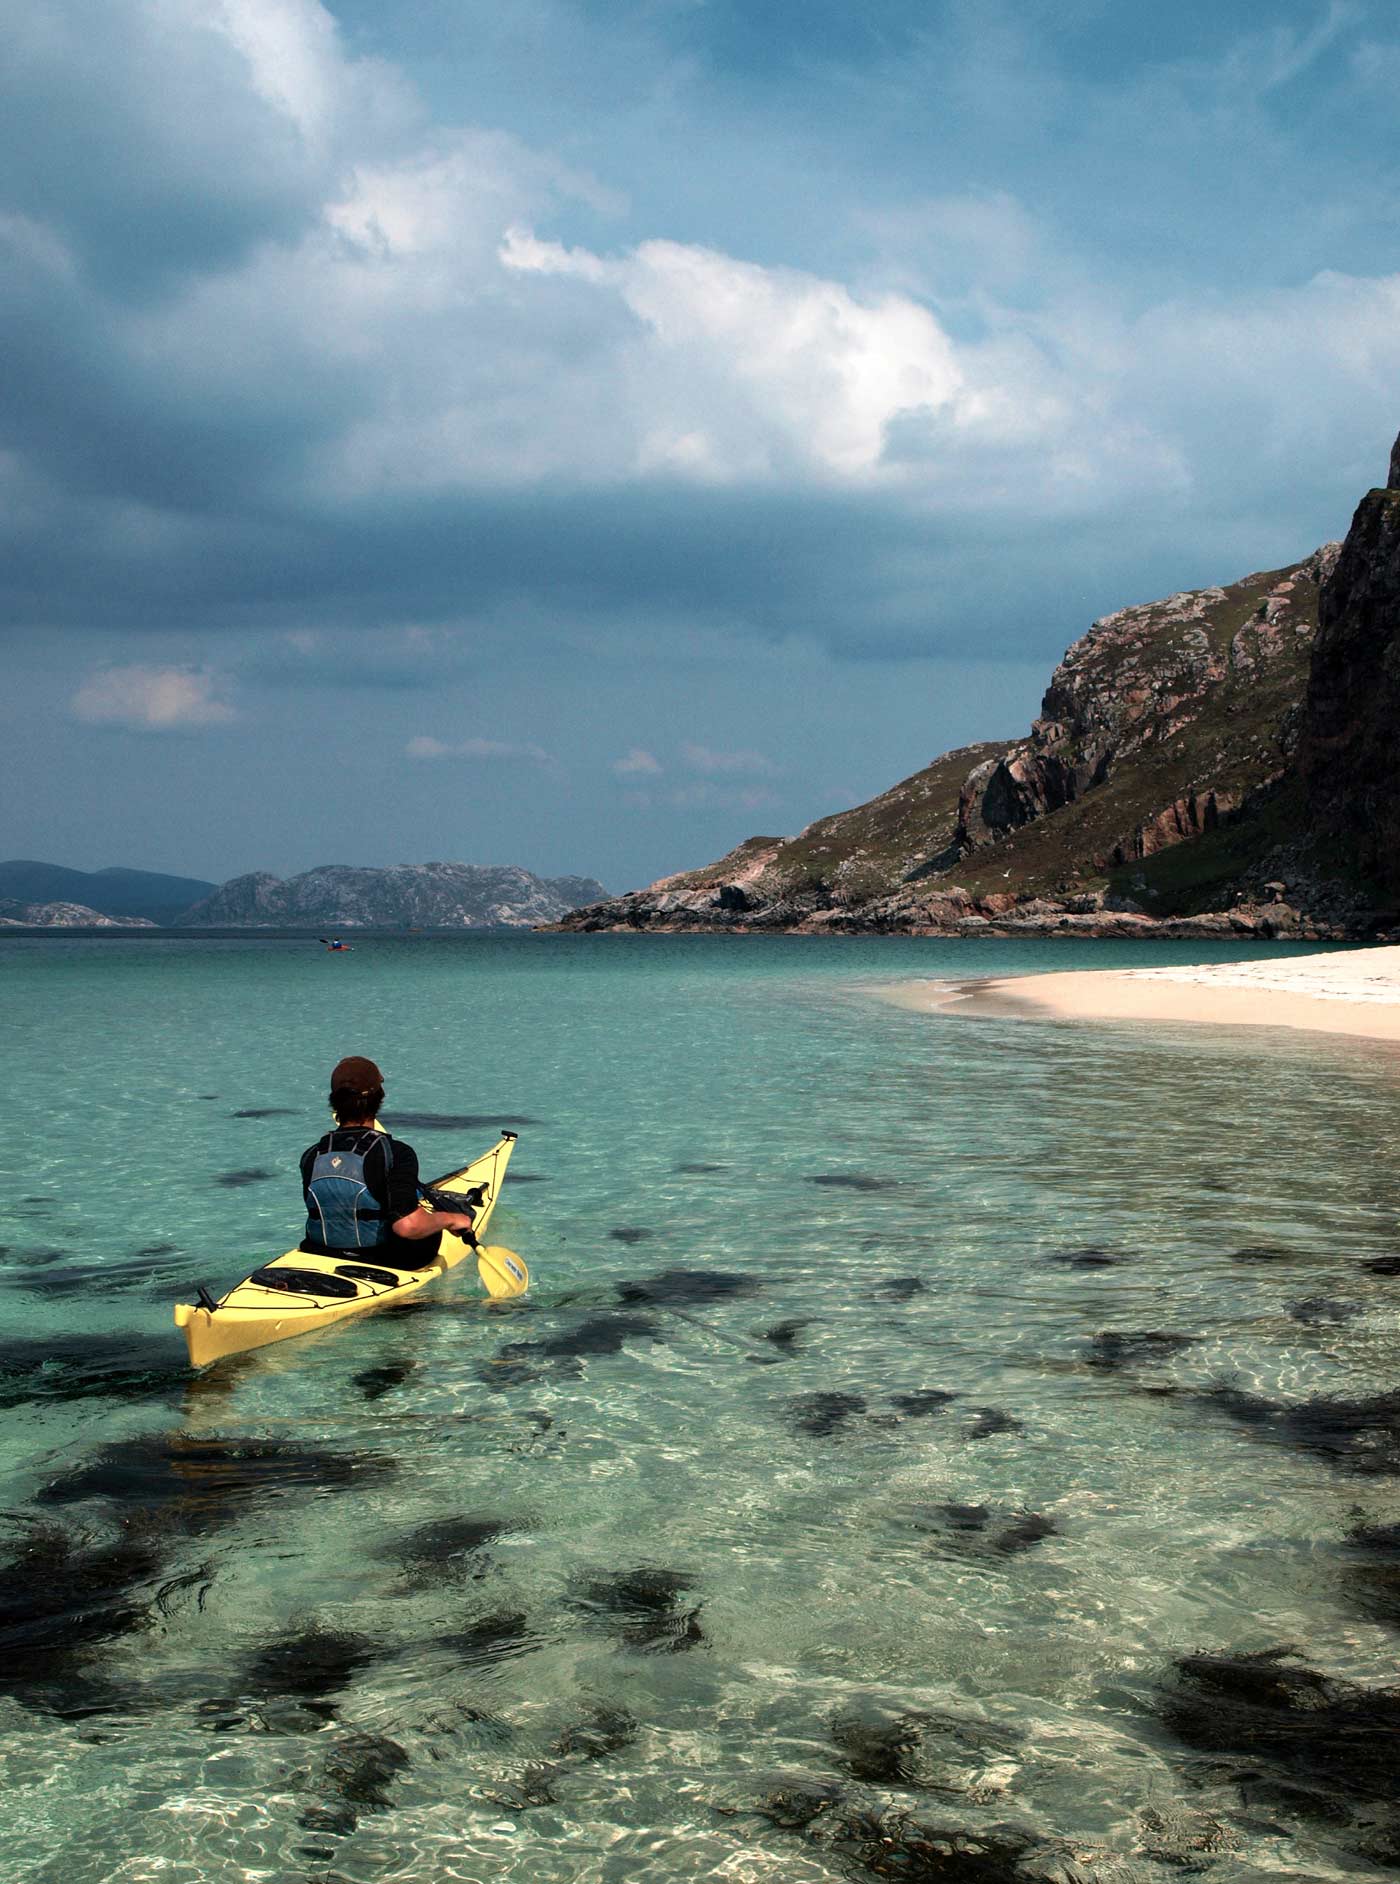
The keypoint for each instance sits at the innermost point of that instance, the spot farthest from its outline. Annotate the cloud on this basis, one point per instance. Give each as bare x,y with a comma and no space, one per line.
307,358
705,759
152,699
637,763
424,746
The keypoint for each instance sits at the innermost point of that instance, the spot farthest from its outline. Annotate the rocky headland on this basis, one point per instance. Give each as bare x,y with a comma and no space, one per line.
19,915
403,896
1220,763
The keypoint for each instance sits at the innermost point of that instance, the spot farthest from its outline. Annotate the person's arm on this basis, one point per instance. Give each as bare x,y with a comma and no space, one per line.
420,1223
416,1222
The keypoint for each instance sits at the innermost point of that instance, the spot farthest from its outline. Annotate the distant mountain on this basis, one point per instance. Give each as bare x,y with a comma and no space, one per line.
1220,762
147,893
404,896
18,915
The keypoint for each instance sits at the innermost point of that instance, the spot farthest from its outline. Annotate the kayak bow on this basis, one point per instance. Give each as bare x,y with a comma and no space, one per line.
299,1292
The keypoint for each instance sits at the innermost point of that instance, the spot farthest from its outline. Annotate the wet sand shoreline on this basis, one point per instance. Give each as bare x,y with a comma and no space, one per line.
1355,992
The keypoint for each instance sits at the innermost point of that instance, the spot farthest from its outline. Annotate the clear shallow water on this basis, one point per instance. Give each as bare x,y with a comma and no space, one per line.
276,1671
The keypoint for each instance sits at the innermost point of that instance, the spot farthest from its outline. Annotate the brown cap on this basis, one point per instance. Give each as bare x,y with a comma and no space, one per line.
356,1074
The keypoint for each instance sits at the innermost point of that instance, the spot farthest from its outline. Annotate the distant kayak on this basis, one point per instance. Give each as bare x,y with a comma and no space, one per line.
299,1292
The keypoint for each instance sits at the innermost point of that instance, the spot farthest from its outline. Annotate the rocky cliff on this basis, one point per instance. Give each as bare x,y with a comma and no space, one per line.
1218,762
405,896
1351,742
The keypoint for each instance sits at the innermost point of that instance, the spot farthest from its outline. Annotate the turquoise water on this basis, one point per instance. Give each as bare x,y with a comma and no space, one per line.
591,1587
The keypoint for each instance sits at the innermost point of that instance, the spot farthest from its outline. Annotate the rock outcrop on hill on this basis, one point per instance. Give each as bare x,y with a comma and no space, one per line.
404,896
1213,763
19,915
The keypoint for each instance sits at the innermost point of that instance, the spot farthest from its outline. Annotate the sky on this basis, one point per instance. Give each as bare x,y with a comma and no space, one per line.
583,435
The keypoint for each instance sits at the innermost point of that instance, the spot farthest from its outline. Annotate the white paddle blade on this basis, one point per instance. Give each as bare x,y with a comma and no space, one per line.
502,1272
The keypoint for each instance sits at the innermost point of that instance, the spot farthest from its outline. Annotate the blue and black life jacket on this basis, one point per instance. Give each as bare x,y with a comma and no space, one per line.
342,1212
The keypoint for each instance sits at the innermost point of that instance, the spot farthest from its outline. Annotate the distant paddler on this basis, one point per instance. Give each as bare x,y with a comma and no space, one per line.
334,946
361,1184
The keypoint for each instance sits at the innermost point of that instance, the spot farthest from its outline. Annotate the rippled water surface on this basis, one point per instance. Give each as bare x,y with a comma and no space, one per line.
902,1404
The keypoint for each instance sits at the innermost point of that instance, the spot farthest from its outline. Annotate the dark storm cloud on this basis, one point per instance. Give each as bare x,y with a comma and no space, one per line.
278,356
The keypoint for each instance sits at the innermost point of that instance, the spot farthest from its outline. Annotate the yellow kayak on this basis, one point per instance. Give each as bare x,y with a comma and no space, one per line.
299,1292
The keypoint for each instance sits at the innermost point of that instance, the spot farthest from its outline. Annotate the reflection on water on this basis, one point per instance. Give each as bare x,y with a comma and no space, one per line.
930,1449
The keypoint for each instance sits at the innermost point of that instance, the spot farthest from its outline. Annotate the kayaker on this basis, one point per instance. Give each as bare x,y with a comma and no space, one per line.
361,1185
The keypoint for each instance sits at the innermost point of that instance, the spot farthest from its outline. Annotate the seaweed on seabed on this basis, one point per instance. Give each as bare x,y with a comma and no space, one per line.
62,1599
885,1746
1353,1435
821,1414
1371,1572
82,1367
200,1484
691,1287
1115,1348
1305,1744
309,1664
446,1549
354,1777
643,1604
898,1845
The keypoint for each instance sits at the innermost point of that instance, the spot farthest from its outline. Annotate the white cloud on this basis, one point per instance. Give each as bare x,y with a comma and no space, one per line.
637,763
424,746
152,699
707,760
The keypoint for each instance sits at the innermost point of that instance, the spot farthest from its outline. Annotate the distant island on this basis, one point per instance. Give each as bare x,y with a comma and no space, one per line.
339,896
413,896
1220,763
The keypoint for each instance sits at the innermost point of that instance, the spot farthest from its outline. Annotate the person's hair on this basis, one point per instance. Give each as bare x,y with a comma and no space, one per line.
346,1103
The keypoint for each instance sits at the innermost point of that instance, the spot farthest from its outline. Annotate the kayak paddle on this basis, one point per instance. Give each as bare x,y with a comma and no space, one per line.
502,1272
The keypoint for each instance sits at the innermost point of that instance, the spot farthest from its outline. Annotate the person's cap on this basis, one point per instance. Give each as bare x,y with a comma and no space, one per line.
356,1074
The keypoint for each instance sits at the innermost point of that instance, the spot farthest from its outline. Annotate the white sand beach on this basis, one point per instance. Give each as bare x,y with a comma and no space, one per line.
1349,991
